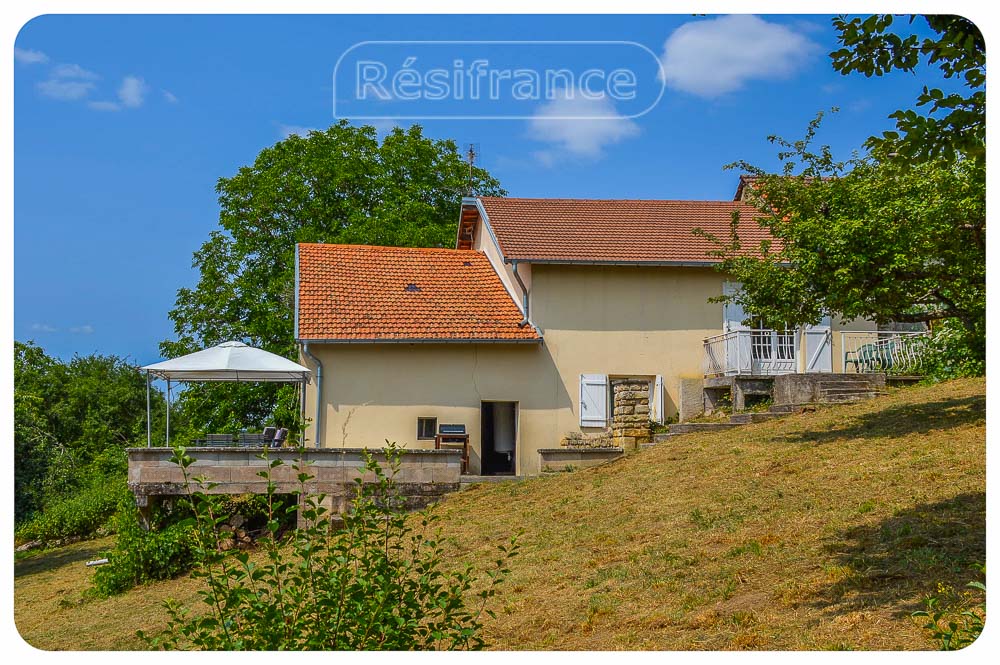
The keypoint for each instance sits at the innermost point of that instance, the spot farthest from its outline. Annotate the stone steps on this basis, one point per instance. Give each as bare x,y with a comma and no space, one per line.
687,428
755,417
827,385
851,397
791,408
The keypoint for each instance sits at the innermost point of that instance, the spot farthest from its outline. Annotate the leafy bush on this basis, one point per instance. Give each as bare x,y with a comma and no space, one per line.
374,581
142,556
957,624
950,354
77,515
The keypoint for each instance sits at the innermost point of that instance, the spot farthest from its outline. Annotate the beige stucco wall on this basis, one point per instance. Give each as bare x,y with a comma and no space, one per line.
374,392
625,321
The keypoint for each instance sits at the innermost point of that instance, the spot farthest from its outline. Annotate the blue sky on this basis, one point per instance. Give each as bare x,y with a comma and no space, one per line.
123,124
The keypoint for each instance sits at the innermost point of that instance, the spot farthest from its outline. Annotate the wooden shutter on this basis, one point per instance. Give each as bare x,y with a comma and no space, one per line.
818,342
656,400
593,400
732,313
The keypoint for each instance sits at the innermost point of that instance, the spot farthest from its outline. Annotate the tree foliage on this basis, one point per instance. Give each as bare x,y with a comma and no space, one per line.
73,420
954,123
341,185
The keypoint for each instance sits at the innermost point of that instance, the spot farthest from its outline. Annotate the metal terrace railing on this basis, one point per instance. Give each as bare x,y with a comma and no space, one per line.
757,352
890,352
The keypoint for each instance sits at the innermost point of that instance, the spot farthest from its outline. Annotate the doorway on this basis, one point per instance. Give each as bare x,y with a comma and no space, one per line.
499,438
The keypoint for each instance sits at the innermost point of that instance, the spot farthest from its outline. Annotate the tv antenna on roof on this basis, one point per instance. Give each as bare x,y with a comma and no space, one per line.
470,156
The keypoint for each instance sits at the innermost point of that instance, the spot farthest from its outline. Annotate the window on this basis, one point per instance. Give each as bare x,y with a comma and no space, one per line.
426,428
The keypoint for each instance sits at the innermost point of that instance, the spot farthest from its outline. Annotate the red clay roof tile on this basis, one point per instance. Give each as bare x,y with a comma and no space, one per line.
366,293
626,231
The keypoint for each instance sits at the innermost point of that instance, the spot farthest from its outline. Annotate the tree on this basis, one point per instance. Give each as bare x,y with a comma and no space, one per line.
336,186
896,234
73,420
955,124
883,240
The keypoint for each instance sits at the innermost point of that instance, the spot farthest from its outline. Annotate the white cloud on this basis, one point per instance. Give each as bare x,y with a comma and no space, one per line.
73,72
43,327
65,90
711,57
28,57
170,97
284,131
82,330
578,126
104,106
132,91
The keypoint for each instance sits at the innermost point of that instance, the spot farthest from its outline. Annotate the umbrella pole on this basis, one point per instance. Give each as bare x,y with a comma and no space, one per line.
149,430
302,413
168,413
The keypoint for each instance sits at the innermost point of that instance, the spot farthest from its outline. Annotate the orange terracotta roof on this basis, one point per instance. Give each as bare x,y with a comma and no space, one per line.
393,294
615,231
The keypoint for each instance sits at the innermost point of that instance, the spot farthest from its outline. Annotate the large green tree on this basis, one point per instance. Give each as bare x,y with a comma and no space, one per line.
895,234
341,185
73,419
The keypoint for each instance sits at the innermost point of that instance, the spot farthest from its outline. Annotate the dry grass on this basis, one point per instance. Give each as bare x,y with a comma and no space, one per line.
820,531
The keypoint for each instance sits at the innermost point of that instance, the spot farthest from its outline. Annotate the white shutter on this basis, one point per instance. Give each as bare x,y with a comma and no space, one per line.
738,347
819,346
732,312
593,400
656,400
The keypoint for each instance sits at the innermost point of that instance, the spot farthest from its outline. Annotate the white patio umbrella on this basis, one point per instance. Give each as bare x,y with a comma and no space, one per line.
229,361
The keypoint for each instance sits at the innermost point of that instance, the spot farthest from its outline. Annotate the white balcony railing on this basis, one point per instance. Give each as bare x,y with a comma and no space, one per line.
883,351
755,352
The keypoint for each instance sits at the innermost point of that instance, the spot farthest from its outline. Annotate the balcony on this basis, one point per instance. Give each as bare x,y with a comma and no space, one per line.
765,352
758,352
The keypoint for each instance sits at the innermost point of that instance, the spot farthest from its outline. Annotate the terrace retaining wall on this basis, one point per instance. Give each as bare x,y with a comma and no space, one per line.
423,477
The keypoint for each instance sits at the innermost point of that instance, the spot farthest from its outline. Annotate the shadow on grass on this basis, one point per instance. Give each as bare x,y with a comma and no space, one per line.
900,560
56,558
900,421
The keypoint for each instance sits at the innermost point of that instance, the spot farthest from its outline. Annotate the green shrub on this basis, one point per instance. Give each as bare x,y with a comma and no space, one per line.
77,515
142,556
957,623
375,580
949,353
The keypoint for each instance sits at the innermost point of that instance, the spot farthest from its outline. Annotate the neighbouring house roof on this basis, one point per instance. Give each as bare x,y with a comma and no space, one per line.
615,231
746,181
361,293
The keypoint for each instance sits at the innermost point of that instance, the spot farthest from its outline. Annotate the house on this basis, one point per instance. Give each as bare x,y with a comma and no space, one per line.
553,323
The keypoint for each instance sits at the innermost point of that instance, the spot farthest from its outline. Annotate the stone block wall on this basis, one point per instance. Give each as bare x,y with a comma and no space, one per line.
423,477
587,440
630,412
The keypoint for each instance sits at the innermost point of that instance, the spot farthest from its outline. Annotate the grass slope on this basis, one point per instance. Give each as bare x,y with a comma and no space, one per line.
820,531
